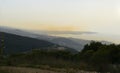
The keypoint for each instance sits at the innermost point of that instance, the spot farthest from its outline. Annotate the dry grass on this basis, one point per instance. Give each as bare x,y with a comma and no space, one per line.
25,70
34,70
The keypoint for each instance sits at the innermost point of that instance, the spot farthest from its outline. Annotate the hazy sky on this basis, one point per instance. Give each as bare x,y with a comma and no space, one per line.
102,16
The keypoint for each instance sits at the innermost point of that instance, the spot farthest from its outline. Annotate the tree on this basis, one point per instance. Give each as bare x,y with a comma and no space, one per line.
92,46
2,45
100,60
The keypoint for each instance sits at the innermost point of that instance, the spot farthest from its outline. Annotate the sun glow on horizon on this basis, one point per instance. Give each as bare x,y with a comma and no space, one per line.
102,16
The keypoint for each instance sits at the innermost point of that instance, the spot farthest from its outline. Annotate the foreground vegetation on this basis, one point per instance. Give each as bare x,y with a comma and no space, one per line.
94,57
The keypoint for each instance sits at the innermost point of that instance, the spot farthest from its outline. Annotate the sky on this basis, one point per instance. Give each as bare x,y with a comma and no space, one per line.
100,16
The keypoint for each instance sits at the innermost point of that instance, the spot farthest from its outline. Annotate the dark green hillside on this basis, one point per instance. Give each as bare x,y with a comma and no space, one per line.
14,44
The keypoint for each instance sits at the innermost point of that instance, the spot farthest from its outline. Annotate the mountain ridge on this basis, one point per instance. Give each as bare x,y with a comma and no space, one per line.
77,44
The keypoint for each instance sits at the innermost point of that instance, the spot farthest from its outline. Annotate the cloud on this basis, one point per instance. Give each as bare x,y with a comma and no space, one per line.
65,32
